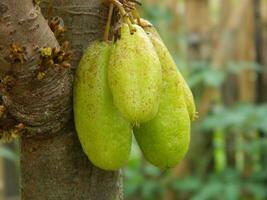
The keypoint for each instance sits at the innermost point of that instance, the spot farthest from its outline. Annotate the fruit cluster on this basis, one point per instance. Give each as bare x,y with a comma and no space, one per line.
132,85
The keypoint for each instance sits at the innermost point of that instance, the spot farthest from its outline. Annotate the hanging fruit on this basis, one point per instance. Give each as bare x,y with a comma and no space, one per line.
130,81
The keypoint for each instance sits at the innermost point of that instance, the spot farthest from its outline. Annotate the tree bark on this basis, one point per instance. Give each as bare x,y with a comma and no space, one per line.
53,164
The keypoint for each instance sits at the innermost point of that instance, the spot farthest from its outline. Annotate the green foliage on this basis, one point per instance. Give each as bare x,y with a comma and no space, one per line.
241,117
150,184
206,74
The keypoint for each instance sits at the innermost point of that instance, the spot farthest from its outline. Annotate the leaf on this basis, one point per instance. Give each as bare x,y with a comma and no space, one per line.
151,170
187,184
238,67
232,191
256,189
214,77
245,117
149,189
209,191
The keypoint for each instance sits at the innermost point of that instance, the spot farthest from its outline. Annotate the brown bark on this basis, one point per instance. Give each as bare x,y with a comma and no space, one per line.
52,162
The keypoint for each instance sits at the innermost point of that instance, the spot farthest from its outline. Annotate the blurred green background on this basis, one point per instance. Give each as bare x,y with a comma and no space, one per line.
220,48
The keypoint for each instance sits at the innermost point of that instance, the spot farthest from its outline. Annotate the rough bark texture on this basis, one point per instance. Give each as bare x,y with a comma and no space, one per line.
55,168
30,101
84,19
52,162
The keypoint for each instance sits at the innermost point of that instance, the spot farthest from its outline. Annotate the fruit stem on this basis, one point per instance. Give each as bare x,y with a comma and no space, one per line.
131,17
136,2
124,14
137,16
107,28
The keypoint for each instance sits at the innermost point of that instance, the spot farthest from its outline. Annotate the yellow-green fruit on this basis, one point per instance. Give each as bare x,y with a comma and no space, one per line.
134,75
166,59
165,139
104,134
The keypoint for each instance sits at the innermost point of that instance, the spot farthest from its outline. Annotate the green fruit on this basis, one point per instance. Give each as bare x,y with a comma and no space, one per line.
104,134
134,75
166,59
165,139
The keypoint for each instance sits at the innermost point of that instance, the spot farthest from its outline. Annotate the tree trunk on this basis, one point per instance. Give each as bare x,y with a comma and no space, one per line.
53,164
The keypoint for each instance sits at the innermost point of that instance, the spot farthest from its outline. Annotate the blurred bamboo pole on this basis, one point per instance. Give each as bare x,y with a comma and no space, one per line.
175,25
246,52
261,23
11,173
225,6
218,135
261,47
222,53
247,83
198,29
174,6
225,48
219,152
2,178
260,42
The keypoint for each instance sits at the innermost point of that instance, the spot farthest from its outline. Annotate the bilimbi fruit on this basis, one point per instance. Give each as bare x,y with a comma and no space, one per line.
132,83
104,134
135,76
166,59
165,139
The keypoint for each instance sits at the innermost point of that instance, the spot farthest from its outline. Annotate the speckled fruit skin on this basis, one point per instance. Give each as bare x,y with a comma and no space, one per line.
135,76
104,134
165,139
166,59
